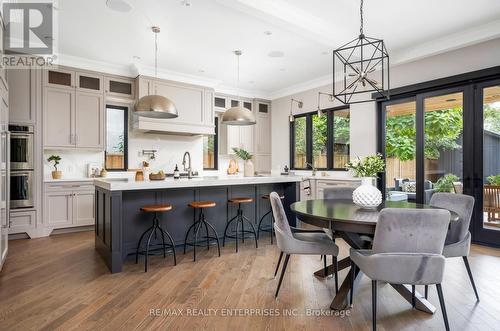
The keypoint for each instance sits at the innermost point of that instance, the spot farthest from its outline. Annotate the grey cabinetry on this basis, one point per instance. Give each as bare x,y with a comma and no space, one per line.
73,111
69,204
119,88
262,156
22,83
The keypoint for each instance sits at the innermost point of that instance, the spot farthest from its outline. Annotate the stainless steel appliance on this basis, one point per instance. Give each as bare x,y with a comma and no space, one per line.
21,189
21,147
4,184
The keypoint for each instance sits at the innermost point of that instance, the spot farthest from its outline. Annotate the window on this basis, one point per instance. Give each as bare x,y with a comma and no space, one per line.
210,149
320,141
116,138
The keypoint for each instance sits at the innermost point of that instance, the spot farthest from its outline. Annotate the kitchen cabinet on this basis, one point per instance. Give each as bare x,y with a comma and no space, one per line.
58,117
194,106
69,204
263,131
232,136
22,84
22,222
322,184
73,117
119,88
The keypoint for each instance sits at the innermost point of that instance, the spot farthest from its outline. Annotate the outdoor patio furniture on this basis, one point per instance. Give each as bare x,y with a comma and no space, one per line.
492,202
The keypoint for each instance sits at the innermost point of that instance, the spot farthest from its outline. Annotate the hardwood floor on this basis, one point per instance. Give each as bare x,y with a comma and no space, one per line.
61,283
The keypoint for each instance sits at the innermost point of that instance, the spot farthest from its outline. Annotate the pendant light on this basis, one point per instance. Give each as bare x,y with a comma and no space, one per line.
238,115
300,104
365,64
155,106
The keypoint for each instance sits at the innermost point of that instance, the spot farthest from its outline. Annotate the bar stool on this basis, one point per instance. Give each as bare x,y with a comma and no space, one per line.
240,219
270,229
198,224
155,227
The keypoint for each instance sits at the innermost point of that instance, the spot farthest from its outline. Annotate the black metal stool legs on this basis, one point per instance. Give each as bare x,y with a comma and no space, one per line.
196,227
152,231
271,229
240,220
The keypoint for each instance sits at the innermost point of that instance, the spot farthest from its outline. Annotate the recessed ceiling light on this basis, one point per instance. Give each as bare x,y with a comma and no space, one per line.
137,58
201,70
185,3
251,81
282,69
118,5
276,54
268,33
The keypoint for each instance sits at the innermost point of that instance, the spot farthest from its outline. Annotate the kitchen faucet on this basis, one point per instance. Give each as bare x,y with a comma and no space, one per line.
313,168
188,169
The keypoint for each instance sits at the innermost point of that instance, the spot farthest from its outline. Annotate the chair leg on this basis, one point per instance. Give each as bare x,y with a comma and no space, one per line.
163,242
413,296
287,257
208,240
225,230
374,305
147,250
467,266
172,243
353,276
325,268
336,273
139,245
426,292
272,227
243,220
187,235
443,308
278,265
216,236
195,240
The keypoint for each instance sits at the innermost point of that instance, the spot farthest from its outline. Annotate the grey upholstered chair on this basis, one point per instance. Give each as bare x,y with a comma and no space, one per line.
295,241
406,250
458,239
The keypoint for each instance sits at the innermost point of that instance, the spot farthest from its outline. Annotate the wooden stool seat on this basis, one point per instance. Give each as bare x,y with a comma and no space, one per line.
202,204
156,208
267,197
240,200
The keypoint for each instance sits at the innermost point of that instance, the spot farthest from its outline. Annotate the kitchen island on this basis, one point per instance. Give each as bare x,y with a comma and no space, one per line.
119,221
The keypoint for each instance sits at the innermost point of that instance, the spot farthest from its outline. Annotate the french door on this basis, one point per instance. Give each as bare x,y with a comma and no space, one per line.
486,184
447,140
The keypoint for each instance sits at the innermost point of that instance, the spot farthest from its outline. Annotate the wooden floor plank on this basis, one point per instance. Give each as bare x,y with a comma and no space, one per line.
61,283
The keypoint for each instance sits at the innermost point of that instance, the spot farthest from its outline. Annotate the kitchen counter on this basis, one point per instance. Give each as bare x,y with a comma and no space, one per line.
65,180
127,184
119,222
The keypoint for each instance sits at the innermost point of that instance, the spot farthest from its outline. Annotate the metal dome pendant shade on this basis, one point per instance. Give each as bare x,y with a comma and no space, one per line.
238,115
365,67
155,106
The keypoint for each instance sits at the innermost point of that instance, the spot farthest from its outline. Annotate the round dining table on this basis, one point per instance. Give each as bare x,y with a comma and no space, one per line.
356,226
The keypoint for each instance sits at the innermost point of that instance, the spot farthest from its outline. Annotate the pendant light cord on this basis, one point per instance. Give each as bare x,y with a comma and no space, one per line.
361,15
156,55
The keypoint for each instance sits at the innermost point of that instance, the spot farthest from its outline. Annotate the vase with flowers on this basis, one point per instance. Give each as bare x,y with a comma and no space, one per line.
367,196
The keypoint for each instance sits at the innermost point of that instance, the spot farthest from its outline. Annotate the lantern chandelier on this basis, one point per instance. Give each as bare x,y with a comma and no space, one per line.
365,66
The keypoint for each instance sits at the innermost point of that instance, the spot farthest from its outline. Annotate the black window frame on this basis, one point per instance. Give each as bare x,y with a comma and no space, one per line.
216,146
125,136
330,113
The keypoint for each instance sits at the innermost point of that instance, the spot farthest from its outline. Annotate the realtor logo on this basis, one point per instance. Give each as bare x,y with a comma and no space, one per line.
28,28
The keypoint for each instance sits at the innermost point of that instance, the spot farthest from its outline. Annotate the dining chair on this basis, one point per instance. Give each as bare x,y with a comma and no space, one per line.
291,240
406,249
457,243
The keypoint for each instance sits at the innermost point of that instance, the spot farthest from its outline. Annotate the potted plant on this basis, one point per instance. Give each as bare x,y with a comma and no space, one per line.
494,180
367,195
248,169
445,183
56,174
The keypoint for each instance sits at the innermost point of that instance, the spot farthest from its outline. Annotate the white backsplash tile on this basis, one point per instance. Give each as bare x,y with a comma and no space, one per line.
73,163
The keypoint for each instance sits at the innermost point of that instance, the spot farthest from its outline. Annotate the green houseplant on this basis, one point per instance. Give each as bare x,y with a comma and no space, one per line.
494,179
56,174
370,166
445,183
249,169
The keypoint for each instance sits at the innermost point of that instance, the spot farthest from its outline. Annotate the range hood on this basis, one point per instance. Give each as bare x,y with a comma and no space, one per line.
168,126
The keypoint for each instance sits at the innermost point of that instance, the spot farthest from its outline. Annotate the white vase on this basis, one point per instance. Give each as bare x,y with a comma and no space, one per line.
248,170
367,196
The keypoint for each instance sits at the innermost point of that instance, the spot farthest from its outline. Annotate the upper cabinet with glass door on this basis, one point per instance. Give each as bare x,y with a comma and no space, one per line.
84,81
119,88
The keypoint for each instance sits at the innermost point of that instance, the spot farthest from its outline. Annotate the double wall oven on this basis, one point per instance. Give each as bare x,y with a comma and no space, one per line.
21,166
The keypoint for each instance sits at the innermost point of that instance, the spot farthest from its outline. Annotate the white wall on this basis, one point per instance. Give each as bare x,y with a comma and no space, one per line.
363,116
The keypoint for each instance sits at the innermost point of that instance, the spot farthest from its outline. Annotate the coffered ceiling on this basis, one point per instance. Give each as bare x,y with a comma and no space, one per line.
284,42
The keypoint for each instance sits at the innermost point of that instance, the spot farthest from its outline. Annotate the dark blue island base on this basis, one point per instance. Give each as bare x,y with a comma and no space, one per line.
119,221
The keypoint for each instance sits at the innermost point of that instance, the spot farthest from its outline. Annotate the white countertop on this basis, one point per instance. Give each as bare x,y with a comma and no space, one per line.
125,184
64,180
